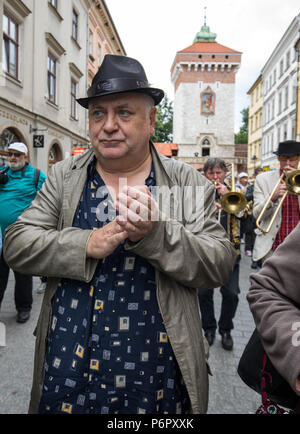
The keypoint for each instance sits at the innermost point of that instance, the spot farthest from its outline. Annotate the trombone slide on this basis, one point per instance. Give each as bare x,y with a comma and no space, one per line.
293,186
262,213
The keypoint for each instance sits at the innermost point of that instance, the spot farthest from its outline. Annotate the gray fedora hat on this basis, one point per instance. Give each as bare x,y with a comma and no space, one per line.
120,74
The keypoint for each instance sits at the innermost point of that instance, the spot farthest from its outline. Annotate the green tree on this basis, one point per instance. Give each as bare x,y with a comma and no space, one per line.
164,122
242,136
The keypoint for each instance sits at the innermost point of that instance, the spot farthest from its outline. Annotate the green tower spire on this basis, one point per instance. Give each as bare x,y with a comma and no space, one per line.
205,35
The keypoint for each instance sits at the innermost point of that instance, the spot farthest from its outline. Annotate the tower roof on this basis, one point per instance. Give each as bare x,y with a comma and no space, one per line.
205,35
205,42
208,48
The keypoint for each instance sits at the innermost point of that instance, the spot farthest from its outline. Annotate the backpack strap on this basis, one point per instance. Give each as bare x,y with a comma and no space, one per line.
36,177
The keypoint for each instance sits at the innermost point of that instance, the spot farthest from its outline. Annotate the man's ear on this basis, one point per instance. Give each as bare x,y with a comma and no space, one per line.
152,120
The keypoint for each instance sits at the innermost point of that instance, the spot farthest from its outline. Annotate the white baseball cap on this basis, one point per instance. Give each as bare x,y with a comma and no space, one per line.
18,146
243,175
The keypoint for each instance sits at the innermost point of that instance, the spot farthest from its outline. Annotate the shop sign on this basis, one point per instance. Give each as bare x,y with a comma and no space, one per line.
38,141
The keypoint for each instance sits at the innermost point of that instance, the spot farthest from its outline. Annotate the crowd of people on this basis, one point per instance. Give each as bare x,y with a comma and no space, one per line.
129,272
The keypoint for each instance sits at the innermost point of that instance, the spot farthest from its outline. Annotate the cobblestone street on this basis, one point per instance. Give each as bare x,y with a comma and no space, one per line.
228,394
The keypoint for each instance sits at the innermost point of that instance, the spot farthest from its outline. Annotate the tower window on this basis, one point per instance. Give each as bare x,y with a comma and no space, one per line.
200,56
205,148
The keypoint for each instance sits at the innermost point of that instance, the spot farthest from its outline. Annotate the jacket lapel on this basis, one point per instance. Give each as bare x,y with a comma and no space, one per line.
76,176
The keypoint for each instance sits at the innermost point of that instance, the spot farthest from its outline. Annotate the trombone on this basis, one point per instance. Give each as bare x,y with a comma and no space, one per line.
233,202
293,186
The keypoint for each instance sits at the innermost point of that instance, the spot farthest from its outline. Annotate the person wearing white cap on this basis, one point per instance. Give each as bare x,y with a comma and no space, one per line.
19,184
242,182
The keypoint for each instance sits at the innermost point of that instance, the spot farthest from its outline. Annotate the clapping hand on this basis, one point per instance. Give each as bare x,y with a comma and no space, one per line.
138,212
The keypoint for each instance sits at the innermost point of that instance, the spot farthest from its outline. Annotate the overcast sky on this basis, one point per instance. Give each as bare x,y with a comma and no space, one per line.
152,31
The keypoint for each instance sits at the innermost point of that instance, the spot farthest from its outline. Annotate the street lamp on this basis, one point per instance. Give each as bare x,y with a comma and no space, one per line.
254,158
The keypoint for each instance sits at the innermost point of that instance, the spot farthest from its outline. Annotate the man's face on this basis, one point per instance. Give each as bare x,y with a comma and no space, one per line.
288,163
16,160
244,180
216,174
120,126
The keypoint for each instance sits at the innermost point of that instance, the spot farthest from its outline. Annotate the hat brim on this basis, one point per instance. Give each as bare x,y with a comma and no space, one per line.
156,94
287,153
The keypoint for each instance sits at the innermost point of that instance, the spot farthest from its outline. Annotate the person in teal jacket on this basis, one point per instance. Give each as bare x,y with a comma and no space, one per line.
19,184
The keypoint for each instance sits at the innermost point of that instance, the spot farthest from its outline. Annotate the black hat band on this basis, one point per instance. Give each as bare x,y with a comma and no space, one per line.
116,84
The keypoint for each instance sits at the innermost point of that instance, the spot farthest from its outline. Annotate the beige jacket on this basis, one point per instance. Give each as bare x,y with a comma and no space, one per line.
185,255
263,187
273,293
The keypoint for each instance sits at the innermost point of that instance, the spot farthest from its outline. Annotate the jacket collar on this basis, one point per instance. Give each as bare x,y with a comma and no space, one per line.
83,160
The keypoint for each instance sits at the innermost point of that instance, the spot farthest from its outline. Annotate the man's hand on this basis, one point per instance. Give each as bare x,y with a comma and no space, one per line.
222,189
104,241
218,207
279,192
138,212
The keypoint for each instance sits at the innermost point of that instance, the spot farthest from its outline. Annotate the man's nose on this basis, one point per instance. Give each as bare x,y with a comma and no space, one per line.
110,123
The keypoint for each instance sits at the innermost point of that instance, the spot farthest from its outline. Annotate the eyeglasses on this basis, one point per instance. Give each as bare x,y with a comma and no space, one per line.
15,154
288,157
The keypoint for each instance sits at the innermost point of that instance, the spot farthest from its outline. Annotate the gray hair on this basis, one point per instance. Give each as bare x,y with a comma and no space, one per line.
211,163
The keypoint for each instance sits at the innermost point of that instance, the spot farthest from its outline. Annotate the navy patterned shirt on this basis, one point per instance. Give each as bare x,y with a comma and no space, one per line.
108,351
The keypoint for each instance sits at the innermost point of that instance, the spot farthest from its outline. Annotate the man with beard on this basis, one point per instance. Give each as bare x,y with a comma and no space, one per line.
19,184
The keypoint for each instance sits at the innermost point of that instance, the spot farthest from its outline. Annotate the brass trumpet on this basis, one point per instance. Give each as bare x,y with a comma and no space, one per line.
293,186
233,202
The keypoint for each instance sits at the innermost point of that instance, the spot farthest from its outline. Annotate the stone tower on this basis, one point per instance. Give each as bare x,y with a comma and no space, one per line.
203,75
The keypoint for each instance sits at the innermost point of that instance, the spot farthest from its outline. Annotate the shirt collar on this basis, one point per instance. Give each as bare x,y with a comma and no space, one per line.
91,171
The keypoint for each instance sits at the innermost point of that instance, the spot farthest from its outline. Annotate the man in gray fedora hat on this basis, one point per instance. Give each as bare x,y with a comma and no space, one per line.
288,154
119,329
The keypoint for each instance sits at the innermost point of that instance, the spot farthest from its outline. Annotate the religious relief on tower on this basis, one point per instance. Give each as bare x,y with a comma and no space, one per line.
208,99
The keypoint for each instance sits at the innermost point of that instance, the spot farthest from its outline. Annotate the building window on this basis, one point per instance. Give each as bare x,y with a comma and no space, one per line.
10,46
51,85
205,148
73,99
285,132
8,136
294,129
91,45
288,56
74,25
54,3
279,103
55,155
286,99
281,68
99,54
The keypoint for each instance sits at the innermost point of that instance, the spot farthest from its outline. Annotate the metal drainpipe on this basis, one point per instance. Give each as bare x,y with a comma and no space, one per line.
35,150
87,71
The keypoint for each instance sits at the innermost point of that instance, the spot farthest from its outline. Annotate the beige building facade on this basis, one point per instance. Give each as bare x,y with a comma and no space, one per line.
255,126
44,49
103,37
